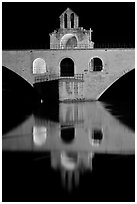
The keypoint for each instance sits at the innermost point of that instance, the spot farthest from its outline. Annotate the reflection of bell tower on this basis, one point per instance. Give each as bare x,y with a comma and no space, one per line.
70,35
71,164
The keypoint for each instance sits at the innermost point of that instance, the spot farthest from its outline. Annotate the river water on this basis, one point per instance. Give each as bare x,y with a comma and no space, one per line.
69,152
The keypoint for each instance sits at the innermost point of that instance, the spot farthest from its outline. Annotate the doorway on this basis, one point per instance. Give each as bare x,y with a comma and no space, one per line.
67,68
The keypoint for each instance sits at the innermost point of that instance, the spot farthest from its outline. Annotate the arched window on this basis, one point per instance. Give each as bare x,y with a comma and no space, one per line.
65,20
72,42
68,41
72,20
67,68
96,64
39,66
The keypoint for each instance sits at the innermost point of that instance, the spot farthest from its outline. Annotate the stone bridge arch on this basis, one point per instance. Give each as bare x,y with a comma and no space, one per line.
19,62
18,74
112,82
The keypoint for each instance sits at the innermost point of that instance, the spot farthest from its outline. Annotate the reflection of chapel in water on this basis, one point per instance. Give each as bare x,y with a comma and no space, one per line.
71,165
81,133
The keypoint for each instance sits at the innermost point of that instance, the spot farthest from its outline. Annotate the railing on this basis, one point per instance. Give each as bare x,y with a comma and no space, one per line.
79,76
97,68
76,77
46,77
113,45
93,46
50,77
63,47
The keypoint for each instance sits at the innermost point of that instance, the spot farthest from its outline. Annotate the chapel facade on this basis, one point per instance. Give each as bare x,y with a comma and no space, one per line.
70,35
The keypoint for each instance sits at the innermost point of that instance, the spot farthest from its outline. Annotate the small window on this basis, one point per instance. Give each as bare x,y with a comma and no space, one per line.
96,64
39,66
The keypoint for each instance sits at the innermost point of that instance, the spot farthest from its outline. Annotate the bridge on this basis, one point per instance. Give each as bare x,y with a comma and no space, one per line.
83,82
72,67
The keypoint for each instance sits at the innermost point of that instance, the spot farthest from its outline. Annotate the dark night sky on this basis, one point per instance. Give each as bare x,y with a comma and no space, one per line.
27,25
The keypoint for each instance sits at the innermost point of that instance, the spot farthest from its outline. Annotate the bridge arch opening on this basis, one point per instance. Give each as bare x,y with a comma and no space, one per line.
119,87
20,89
67,68
96,64
12,78
39,66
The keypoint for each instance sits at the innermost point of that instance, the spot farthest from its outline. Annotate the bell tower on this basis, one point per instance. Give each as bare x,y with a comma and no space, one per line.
70,35
68,19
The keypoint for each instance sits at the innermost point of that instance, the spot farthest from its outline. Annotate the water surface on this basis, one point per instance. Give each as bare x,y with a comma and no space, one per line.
70,152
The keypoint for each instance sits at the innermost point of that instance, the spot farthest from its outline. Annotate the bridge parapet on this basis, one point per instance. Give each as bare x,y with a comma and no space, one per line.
63,47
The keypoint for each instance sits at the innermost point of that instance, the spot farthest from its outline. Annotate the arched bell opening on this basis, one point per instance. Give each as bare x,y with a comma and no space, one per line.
65,20
72,20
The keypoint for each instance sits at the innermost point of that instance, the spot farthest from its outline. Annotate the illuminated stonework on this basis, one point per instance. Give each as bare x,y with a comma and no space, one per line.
70,35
